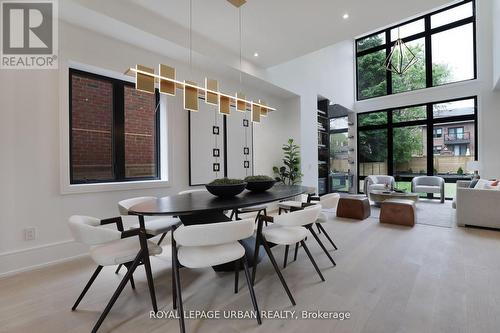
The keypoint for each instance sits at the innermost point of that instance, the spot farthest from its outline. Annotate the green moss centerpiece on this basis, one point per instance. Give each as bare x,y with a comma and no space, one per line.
226,187
259,183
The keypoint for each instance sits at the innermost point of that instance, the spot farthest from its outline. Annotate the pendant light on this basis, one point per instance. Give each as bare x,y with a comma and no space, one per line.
401,57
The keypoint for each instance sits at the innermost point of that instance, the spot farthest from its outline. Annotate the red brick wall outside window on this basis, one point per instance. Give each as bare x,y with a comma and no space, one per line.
92,130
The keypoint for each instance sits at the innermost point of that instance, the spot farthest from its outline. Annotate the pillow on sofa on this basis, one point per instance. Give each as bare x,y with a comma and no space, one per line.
482,184
473,183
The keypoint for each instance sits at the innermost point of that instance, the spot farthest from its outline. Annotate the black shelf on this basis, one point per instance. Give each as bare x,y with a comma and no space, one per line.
323,146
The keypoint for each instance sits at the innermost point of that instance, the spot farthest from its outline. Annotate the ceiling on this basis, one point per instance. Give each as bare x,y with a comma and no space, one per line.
280,30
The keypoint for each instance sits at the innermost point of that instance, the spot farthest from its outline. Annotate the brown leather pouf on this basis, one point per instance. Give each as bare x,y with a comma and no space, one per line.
398,211
353,207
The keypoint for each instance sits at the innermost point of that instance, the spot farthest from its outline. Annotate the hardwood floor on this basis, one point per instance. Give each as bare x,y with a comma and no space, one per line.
391,279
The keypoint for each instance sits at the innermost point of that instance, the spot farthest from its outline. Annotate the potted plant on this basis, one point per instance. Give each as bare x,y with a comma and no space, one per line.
289,174
226,187
259,183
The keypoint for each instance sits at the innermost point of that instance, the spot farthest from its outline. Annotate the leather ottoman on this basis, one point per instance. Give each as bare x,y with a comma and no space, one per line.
398,211
354,207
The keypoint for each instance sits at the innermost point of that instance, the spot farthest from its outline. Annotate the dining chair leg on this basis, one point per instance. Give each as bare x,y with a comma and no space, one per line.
327,236
147,262
87,286
312,260
250,289
256,250
161,238
236,275
118,291
285,260
118,268
309,227
296,252
180,310
265,214
277,269
319,230
132,282
174,293
232,214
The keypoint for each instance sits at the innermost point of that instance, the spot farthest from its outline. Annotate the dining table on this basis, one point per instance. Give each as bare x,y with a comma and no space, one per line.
203,207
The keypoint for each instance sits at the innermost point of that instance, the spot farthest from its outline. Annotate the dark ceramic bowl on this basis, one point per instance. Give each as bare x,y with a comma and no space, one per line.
226,191
260,186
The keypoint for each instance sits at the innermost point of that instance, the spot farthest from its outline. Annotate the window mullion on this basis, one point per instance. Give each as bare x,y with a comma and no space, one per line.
388,74
119,130
428,53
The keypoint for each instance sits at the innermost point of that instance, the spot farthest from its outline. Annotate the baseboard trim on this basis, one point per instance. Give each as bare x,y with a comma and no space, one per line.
15,262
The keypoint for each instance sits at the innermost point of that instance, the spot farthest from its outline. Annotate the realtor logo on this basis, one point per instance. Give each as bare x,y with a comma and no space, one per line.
29,34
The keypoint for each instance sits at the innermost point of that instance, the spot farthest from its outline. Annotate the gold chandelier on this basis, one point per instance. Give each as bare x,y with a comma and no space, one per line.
146,80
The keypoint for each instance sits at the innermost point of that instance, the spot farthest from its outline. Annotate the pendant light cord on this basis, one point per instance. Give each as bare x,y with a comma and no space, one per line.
191,36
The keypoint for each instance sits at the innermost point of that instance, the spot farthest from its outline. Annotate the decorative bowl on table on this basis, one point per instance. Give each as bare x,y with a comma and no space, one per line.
259,183
226,187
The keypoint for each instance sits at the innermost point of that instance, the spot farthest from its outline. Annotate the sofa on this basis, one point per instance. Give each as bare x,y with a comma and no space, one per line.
477,206
428,184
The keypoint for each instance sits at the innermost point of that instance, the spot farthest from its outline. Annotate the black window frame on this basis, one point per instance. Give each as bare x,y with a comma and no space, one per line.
118,131
427,35
429,122
437,133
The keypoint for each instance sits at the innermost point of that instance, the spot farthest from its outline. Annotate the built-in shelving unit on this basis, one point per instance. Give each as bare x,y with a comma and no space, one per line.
323,146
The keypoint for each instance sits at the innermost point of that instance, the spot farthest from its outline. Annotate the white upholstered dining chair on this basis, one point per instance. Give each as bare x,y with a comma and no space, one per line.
286,229
206,245
109,247
154,226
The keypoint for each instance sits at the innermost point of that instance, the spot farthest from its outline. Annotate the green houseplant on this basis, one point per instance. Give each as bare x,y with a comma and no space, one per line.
289,173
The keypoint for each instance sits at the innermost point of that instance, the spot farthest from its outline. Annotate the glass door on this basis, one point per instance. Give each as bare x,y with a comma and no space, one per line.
340,175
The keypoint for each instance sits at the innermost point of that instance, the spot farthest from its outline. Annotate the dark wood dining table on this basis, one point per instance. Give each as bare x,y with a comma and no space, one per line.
203,207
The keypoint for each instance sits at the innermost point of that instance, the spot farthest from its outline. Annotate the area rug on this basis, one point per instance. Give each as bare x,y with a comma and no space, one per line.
429,212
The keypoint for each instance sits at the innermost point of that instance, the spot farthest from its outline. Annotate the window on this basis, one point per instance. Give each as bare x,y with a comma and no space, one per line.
438,132
417,140
114,130
442,41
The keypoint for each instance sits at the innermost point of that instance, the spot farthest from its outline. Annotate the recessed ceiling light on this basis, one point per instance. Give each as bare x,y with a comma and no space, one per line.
256,54
345,16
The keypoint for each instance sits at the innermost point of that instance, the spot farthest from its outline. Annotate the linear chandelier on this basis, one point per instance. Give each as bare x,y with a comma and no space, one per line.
146,80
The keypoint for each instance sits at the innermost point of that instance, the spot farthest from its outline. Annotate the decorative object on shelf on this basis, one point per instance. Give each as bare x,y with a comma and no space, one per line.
289,174
259,183
146,79
474,166
401,57
226,187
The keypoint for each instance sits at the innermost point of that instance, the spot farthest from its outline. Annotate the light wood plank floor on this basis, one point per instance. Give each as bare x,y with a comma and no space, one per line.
391,279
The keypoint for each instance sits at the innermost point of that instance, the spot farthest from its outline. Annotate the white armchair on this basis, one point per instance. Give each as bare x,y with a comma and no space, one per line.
477,207
428,184
378,182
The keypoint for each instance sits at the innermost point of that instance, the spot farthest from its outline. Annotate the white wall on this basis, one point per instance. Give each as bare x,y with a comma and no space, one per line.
30,140
496,44
327,72
488,100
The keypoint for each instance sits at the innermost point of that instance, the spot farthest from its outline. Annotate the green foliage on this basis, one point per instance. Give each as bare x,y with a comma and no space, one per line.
258,178
289,173
227,181
407,143
460,171
372,72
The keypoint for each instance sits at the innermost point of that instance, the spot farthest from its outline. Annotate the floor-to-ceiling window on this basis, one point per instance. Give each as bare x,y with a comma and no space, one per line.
443,43
437,138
